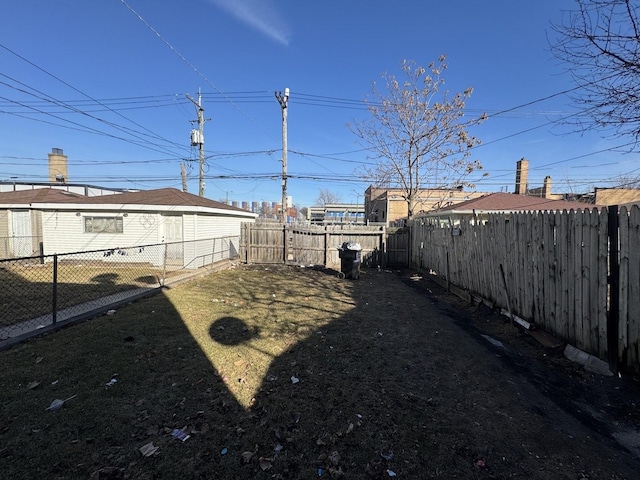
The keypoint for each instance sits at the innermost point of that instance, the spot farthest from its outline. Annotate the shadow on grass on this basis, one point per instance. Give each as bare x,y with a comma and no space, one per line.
108,278
24,298
232,331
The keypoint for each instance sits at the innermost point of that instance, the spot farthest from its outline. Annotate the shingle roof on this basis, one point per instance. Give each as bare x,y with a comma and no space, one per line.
160,196
511,202
39,195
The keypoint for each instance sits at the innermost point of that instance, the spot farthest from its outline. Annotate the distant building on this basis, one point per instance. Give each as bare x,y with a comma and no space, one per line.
336,213
476,211
388,206
617,196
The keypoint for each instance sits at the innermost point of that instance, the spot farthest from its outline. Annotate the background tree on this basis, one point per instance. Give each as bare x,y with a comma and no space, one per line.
627,181
600,42
418,133
326,196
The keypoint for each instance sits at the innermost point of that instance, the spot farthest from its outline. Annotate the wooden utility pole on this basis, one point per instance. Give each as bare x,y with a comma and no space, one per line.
197,138
283,100
183,174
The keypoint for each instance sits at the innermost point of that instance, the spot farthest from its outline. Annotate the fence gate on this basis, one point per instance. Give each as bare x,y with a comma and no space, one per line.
398,249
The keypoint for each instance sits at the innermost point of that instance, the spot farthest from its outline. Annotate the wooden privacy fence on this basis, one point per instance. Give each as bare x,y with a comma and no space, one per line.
270,242
574,274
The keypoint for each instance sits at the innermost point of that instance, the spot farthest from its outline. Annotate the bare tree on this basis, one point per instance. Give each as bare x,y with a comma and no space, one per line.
627,181
326,196
302,213
418,133
600,42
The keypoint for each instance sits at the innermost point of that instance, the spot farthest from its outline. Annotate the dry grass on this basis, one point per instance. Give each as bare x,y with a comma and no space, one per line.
28,288
384,384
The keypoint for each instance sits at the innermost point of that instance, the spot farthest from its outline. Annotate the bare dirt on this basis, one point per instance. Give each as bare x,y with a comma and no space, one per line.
574,415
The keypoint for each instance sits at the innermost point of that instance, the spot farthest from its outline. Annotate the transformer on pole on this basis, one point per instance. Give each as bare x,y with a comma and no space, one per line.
197,138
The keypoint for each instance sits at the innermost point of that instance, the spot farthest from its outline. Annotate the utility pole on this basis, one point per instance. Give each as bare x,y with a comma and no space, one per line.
283,100
197,138
183,174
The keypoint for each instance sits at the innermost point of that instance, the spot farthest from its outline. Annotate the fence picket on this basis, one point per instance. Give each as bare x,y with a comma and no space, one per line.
603,270
595,283
633,316
557,269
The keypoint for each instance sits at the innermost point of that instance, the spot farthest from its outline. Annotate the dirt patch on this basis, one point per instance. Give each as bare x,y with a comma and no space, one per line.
285,372
609,405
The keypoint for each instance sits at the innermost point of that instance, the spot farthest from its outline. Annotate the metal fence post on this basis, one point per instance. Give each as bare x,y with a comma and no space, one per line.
164,265
213,253
54,294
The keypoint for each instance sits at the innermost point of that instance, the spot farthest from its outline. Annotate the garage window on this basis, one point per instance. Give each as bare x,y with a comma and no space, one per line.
103,225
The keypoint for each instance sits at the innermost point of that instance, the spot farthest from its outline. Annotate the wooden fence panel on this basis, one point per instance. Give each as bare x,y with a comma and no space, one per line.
271,242
398,249
555,266
264,243
603,274
306,247
629,327
623,255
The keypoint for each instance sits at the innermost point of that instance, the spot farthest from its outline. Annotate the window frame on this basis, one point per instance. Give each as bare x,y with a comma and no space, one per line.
114,224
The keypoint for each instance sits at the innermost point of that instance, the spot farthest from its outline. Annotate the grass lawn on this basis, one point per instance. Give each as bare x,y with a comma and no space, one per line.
195,357
283,373
28,289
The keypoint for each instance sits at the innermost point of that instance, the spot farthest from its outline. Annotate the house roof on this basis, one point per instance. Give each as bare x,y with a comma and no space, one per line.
161,197
510,202
39,195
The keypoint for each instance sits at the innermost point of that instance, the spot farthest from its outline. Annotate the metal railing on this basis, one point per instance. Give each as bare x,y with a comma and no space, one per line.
42,291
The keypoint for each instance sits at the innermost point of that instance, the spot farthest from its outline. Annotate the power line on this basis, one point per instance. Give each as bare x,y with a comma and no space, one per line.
187,62
54,101
80,92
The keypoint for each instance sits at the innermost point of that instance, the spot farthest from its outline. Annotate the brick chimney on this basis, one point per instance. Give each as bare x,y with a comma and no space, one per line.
522,176
546,189
58,171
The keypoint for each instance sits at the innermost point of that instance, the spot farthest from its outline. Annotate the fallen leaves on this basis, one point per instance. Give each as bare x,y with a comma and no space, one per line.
148,449
265,463
247,456
334,458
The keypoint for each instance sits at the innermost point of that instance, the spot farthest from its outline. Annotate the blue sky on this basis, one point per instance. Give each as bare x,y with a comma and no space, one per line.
109,86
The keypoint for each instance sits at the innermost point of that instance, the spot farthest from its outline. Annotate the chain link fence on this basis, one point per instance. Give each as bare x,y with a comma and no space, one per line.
43,291
19,246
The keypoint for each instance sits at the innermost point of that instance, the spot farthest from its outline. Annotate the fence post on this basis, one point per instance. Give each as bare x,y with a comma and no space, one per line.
410,244
164,265
54,294
213,253
326,246
447,273
247,242
383,247
614,290
285,244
